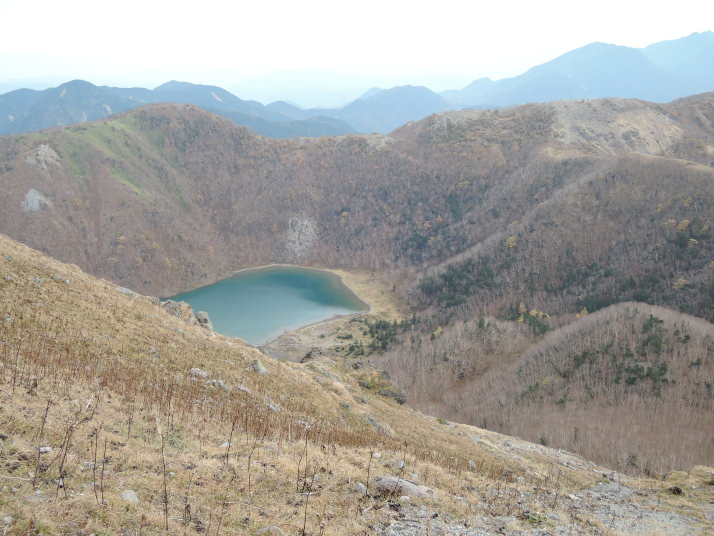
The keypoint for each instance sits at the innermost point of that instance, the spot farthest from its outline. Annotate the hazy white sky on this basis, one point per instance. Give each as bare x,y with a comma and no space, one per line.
241,44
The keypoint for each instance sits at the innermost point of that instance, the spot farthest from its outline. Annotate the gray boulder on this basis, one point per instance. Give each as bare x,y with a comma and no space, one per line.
204,321
271,531
399,396
217,383
259,367
392,485
129,495
198,373
382,428
128,292
172,307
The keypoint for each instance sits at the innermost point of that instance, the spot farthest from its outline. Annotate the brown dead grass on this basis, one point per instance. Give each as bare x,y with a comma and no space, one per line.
114,370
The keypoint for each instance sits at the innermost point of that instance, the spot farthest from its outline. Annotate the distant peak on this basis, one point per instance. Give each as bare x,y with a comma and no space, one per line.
76,83
173,84
370,92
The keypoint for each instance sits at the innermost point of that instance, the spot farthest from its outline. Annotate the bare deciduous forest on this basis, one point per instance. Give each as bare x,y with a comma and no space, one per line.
514,237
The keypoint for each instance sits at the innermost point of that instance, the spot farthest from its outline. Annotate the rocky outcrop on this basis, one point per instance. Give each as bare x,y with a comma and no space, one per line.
397,394
204,321
302,234
259,367
34,201
44,156
183,310
129,495
126,291
198,373
392,485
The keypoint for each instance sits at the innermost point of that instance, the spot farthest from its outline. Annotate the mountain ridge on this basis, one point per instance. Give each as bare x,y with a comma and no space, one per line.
555,128
660,72
80,101
600,70
559,208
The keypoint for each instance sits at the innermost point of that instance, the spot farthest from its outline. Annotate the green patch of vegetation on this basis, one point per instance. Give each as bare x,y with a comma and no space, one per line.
592,302
356,349
531,390
536,519
123,177
113,138
656,335
384,332
73,154
460,280
656,374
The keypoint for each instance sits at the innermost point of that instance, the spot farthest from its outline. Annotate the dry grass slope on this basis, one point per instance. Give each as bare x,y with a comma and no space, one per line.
104,379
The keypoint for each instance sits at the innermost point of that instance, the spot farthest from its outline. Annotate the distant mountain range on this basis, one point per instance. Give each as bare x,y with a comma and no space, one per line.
377,110
660,72
27,110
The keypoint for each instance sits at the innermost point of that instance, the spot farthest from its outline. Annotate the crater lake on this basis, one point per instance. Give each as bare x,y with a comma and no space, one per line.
260,304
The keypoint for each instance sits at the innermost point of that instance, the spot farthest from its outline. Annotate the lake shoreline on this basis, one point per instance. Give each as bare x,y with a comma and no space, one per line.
366,288
324,334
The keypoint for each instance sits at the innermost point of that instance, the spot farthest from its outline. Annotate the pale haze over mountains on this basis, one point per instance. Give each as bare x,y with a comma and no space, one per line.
309,52
659,72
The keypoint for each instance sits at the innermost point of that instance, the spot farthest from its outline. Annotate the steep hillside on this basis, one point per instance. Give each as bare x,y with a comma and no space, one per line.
118,417
589,386
558,208
492,207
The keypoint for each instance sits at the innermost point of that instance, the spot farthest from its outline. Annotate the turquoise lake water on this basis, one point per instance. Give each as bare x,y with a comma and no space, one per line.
258,305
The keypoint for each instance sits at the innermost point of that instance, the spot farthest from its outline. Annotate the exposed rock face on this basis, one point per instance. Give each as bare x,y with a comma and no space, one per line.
44,156
34,201
302,234
127,291
614,125
398,395
178,309
183,310
204,321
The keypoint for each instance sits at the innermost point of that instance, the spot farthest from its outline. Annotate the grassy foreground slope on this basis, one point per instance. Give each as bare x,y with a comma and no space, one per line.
105,393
